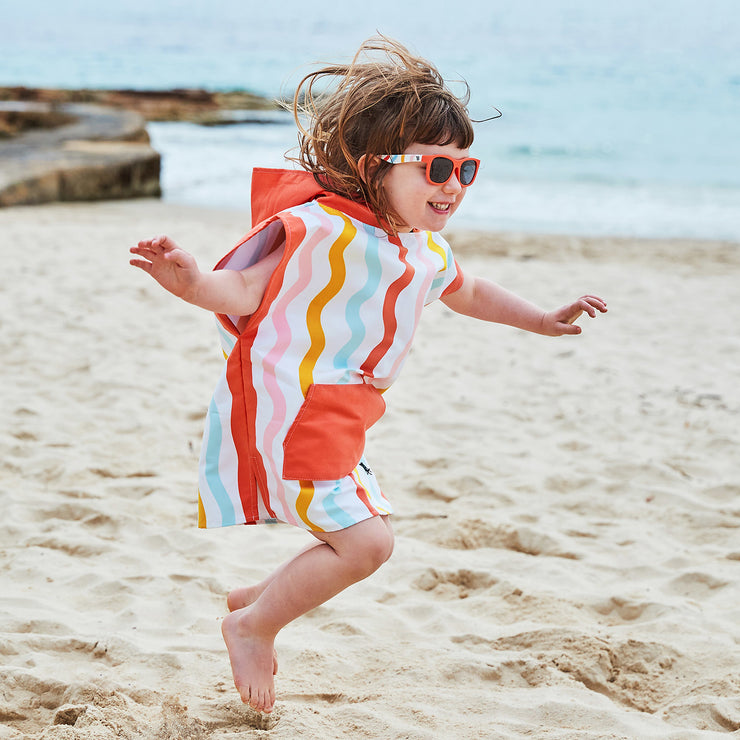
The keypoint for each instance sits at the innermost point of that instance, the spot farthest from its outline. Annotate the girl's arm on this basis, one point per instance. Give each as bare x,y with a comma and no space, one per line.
236,292
483,299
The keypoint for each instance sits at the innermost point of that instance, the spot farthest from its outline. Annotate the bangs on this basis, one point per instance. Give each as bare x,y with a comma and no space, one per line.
440,121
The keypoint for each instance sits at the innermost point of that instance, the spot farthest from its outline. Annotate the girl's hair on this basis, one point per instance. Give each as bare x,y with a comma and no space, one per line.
381,102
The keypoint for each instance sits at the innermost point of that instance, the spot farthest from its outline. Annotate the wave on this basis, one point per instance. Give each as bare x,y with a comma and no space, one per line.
559,152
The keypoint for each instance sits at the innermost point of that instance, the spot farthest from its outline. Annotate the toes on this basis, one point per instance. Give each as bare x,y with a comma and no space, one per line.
261,701
269,701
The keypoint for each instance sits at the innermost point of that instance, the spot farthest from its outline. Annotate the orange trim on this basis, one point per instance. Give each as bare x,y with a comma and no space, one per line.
456,284
251,474
241,432
224,319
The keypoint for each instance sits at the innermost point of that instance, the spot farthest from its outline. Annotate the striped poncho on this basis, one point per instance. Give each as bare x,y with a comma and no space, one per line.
304,375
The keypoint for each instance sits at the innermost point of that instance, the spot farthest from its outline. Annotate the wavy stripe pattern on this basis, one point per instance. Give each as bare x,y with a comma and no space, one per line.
344,310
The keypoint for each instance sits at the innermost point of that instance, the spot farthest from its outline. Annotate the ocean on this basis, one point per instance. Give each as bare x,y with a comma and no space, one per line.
618,118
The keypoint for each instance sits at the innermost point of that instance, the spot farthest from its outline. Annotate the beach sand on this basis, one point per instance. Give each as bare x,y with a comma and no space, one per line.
567,562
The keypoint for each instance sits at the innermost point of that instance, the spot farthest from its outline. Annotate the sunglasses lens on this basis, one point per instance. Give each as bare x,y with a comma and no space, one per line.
467,171
440,170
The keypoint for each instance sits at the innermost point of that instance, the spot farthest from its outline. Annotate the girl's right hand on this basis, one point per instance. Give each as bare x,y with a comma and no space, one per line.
173,268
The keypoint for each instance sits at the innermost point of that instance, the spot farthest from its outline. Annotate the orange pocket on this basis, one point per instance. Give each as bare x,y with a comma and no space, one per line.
327,438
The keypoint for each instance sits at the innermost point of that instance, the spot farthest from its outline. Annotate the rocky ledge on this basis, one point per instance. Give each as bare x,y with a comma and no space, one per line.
97,153
67,145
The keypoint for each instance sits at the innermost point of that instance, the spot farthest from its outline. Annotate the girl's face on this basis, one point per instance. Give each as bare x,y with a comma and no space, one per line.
419,204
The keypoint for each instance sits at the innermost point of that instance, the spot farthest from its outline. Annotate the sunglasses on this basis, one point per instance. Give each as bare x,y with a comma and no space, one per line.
439,166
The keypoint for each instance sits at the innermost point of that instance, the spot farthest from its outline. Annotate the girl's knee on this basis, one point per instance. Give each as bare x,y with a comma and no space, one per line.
367,557
373,546
391,540
381,547
364,547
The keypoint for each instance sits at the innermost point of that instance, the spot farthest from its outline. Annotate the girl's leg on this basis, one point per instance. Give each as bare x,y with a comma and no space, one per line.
303,583
246,595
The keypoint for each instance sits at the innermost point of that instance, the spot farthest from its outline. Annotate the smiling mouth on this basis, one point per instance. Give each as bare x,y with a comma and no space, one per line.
441,207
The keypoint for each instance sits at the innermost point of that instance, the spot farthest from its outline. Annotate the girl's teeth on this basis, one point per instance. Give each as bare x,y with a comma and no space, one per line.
441,206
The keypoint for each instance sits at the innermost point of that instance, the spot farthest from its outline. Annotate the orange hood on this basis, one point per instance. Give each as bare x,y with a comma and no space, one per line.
275,190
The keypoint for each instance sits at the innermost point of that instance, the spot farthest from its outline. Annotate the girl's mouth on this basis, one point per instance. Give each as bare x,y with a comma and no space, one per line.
441,207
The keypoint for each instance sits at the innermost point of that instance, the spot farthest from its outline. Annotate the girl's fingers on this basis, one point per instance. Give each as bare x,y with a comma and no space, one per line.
157,244
594,300
590,304
152,253
589,309
142,251
143,264
568,329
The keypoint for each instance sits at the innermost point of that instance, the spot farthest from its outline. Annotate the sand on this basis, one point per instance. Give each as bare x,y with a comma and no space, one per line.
567,562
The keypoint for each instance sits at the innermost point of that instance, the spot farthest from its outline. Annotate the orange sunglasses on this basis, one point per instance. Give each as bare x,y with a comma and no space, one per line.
439,167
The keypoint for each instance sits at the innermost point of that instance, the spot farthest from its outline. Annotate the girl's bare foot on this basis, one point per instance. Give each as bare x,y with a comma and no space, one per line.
252,661
240,598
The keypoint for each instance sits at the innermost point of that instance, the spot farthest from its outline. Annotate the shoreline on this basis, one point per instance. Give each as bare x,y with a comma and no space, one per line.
516,244
223,108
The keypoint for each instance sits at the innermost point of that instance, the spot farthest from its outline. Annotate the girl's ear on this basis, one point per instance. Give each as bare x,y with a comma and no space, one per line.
367,165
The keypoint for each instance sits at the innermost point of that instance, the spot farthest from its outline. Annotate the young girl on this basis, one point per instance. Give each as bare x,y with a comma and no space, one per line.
317,308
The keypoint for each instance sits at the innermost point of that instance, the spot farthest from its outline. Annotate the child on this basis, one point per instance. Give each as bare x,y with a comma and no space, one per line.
317,308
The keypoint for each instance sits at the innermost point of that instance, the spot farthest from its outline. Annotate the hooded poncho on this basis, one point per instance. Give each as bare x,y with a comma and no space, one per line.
304,375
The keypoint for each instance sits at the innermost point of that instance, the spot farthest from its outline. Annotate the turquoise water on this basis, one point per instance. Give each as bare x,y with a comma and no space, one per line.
619,119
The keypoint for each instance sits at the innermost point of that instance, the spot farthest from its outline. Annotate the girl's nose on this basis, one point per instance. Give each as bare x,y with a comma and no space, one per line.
452,185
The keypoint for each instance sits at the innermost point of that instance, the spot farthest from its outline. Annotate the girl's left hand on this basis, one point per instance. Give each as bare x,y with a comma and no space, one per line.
173,268
560,321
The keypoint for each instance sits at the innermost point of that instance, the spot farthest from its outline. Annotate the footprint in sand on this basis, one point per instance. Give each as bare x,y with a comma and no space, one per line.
707,712
618,610
637,674
454,584
65,512
695,585
345,629
427,492
23,690
72,547
448,491
473,534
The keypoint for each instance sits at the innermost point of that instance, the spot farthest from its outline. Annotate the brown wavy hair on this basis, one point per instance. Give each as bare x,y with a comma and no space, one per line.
384,100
